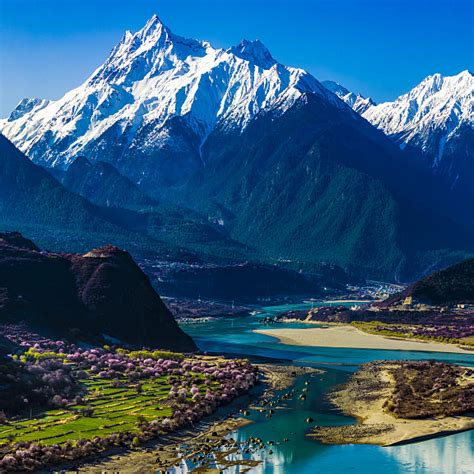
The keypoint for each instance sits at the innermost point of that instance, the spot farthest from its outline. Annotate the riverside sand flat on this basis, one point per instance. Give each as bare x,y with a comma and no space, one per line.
346,336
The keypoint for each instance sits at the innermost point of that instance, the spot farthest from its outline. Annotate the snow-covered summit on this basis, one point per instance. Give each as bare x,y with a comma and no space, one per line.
430,114
254,52
150,78
357,102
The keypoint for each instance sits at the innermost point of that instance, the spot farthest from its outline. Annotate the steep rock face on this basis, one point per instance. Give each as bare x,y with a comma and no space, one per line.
99,294
457,161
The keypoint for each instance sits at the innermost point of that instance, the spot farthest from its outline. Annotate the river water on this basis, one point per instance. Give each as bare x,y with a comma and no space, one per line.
299,455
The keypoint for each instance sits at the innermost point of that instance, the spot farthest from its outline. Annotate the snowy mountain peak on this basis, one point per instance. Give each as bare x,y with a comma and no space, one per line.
435,114
127,36
150,79
255,52
438,88
151,25
357,102
437,81
440,103
154,33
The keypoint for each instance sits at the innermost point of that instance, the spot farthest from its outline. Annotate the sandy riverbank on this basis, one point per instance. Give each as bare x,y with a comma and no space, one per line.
349,301
346,336
365,397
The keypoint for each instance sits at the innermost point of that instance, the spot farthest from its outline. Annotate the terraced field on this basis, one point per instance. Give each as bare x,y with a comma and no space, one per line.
60,402
106,409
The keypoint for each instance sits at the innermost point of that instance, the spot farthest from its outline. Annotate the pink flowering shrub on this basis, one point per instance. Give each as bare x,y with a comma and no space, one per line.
54,371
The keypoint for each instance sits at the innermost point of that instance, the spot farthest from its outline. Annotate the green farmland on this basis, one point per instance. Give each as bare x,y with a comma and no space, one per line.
106,409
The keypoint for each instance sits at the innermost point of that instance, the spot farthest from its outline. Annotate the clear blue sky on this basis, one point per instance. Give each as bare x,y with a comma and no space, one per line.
380,48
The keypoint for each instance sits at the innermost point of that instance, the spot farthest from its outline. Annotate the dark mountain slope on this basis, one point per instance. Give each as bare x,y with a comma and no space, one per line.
84,296
458,161
451,285
103,185
34,202
320,184
29,194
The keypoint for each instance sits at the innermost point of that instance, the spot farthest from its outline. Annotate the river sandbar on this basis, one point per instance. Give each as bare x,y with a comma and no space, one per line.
366,397
346,336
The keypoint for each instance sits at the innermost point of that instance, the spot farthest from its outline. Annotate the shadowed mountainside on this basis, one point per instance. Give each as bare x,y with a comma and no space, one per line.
35,203
319,184
100,294
102,184
451,285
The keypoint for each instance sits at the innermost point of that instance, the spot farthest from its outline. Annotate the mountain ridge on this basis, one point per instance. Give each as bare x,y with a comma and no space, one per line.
357,102
291,186
102,184
436,102
182,121
159,92
34,202
435,119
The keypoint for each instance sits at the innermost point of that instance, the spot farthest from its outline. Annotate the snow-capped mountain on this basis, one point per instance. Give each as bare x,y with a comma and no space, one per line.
157,92
436,119
429,115
357,102
284,165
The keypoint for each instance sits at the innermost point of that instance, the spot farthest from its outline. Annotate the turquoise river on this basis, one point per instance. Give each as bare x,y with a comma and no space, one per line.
449,454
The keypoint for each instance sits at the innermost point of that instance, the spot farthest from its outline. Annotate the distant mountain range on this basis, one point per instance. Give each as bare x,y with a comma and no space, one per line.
261,155
436,118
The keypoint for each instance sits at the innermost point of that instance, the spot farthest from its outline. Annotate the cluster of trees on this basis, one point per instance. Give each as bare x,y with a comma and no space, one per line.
32,384
438,332
50,372
425,389
188,407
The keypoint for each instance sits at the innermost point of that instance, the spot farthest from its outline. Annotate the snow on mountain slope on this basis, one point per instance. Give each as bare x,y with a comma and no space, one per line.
26,106
429,115
357,102
150,79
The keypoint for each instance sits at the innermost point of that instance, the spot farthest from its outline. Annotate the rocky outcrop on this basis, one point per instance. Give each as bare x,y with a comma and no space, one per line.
100,295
